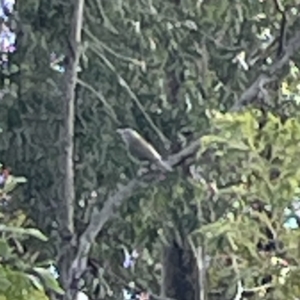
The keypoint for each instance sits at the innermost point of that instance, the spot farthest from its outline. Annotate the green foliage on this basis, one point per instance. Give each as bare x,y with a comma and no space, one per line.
156,66
258,157
19,277
17,285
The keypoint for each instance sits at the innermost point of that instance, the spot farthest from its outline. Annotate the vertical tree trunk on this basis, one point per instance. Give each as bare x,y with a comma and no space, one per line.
180,273
67,194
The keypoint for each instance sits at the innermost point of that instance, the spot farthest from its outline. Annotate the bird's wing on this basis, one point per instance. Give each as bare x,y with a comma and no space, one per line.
144,151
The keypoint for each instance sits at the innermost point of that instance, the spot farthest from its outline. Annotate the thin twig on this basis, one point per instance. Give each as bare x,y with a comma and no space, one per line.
101,97
131,94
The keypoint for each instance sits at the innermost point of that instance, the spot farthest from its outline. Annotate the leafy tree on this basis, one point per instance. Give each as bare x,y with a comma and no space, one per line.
252,178
158,67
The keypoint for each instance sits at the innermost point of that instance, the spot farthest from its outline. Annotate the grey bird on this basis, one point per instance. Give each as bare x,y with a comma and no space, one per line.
139,148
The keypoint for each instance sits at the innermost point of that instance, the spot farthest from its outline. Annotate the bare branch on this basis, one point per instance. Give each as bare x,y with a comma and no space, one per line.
185,153
99,218
101,97
66,217
67,193
97,221
253,92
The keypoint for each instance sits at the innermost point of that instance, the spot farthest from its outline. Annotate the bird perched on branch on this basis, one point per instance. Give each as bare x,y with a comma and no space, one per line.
139,148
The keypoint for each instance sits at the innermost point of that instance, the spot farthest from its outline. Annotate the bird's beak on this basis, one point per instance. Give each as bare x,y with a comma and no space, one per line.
119,130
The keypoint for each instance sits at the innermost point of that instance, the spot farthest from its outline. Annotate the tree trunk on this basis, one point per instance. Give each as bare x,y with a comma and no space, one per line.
180,273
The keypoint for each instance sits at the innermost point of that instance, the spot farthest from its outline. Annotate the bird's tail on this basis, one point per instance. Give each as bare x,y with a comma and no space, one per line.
165,165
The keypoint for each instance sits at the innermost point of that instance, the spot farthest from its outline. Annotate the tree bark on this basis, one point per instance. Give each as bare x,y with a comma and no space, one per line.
67,191
180,273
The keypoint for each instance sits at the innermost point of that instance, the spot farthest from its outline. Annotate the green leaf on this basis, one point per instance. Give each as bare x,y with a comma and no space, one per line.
24,231
49,280
239,146
36,282
5,250
207,140
4,283
215,229
12,182
20,179
36,233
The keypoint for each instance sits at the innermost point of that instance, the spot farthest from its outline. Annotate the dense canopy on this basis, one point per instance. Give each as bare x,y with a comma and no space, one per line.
213,86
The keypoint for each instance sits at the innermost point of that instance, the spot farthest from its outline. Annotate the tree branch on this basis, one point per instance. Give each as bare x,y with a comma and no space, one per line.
66,189
66,217
99,218
271,74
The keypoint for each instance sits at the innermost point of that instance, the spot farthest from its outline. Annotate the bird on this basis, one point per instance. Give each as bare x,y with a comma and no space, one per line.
142,150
